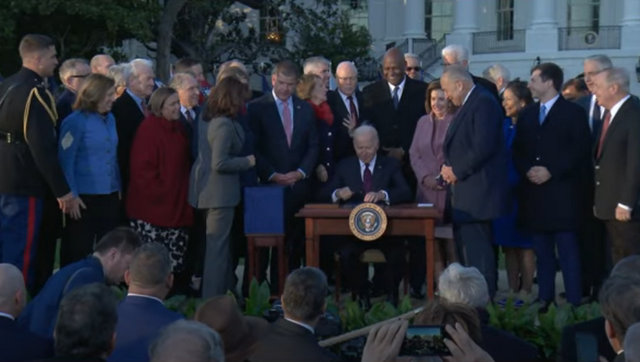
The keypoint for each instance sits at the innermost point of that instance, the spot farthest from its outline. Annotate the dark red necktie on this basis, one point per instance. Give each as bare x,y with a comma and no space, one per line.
367,179
605,127
352,108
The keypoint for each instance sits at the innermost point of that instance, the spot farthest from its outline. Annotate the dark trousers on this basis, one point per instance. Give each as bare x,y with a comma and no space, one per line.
50,232
20,218
594,255
417,262
475,248
544,245
624,238
79,236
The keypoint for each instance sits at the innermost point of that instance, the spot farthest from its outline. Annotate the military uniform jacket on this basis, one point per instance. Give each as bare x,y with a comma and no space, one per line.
29,160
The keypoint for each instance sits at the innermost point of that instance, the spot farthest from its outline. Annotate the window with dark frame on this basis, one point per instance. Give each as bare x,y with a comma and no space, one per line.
504,9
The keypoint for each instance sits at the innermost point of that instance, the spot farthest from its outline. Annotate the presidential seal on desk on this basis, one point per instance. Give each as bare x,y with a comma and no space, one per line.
368,221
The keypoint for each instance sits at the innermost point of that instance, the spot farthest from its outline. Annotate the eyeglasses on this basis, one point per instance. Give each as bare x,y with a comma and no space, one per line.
79,76
417,69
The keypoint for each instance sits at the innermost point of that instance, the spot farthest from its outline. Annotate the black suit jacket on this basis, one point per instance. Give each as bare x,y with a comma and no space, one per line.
64,105
343,145
272,152
594,328
288,342
395,126
17,344
561,144
503,346
617,170
488,85
387,176
128,118
474,148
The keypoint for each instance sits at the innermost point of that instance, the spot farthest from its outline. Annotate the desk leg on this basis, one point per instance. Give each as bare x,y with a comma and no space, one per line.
429,246
311,243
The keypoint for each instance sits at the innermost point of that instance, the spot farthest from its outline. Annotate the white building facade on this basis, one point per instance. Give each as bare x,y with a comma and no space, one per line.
515,33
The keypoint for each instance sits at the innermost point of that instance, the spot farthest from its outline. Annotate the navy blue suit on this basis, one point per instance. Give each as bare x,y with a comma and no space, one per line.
17,344
474,148
140,319
41,313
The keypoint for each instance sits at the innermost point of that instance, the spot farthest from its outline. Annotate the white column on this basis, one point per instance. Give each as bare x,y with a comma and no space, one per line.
542,34
377,24
414,19
630,24
543,14
465,23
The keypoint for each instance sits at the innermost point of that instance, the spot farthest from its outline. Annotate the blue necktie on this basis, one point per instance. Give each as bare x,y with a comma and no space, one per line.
395,97
543,113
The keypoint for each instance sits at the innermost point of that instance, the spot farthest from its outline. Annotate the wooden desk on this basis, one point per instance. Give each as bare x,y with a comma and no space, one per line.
403,220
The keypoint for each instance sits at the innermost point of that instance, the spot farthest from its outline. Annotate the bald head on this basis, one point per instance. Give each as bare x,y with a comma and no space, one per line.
101,63
12,290
393,66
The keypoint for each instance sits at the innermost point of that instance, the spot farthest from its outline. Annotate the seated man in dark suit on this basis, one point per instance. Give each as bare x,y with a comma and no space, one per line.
86,324
108,263
187,341
17,344
142,314
292,338
373,178
458,284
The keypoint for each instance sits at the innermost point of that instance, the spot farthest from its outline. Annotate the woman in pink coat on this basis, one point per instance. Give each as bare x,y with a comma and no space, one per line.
426,159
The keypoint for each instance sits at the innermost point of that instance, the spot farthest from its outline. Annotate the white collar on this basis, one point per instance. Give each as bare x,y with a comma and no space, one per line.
7,315
399,86
617,106
468,94
304,325
548,104
372,164
145,296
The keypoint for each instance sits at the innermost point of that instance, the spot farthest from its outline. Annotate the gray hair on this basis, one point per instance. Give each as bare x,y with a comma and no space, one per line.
68,66
179,79
617,76
412,55
618,299
632,343
348,64
459,52
187,341
120,73
457,73
305,290
459,284
233,63
364,130
603,61
139,63
11,282
495,71
627,266
312,62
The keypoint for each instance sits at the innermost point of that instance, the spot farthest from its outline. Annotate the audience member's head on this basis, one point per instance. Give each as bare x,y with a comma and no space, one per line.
443,313
189,65
141,81
574,88
73,73
86,322
233,63
115,250
38,53
627,267
499,75
319,66
149,272
593,65
187,341
233,71
239,333
227,99
632,343
164,103
546,81
101,63
393,66
456,82
610,86
465,285
13,295
97,94
188,89
436,101
284,78
620,305
455,54
516,96
414,66
303,298
120,73
366,142
347,77
310,88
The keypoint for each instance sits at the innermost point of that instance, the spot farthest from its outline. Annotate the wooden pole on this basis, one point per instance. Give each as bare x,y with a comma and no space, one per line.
365,330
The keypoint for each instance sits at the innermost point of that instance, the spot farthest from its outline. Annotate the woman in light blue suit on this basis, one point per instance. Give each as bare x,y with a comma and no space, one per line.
215,184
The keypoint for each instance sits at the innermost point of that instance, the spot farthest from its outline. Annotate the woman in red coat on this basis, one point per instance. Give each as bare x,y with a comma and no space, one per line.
160,165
